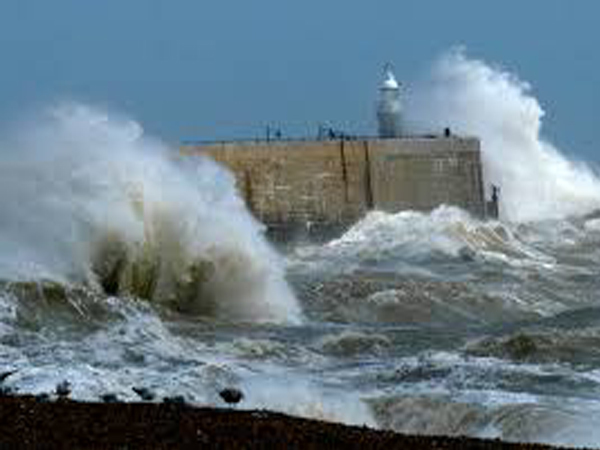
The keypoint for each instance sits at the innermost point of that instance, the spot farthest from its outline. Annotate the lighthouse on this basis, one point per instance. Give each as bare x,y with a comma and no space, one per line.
388,106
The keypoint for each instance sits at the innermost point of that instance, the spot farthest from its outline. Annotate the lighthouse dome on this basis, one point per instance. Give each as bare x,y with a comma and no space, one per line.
390,81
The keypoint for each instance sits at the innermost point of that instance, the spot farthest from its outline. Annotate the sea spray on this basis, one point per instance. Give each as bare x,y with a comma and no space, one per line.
414,240
444,266
88,199
471,97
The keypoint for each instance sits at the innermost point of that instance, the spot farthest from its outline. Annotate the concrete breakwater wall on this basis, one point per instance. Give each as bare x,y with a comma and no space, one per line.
334,183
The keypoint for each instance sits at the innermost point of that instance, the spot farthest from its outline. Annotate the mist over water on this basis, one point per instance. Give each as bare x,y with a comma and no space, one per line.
537,181
124,263
88,199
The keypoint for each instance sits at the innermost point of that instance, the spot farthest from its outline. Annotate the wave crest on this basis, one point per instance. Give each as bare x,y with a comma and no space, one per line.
89,199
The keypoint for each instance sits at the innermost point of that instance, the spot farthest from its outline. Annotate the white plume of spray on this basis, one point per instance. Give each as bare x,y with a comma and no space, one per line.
84,192
473,98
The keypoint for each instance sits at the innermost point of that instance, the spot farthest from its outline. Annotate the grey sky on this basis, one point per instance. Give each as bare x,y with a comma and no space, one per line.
204,69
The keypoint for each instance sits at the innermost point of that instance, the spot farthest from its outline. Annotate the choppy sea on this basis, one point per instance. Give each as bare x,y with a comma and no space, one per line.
123,264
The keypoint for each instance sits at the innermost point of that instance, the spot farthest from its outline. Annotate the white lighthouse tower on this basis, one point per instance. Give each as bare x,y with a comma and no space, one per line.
388,106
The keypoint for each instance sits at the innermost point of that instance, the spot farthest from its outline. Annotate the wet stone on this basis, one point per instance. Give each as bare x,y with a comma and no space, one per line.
27,423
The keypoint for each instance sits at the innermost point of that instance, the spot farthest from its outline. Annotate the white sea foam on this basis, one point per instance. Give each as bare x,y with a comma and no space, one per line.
410,241
296,396
471,97
87,198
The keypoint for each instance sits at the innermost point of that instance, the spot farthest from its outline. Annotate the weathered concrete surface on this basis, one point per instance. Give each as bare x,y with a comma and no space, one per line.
422,174
288,183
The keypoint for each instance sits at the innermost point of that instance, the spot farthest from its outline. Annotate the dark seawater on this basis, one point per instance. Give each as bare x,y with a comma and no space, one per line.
484,329
124,264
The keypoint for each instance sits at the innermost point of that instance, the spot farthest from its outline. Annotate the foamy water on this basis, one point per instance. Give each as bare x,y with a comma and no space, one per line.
124,264
537,181
89,199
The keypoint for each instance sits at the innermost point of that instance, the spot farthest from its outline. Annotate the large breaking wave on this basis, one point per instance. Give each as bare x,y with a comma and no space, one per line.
88,199
537,181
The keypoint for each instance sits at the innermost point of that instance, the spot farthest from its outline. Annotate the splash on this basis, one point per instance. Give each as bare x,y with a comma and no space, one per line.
385,240
557,424
88,199
537,181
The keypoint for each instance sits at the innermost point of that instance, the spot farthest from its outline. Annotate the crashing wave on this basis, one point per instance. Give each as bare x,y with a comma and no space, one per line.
88,199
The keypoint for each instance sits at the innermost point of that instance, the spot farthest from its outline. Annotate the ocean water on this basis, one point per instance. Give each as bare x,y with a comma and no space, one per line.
124,264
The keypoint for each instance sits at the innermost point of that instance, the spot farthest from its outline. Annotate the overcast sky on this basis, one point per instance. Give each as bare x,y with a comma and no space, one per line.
201,69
